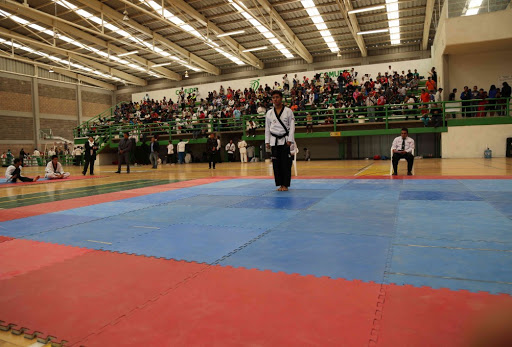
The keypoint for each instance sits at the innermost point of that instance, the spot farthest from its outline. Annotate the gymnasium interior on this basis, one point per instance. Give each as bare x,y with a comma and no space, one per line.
170,251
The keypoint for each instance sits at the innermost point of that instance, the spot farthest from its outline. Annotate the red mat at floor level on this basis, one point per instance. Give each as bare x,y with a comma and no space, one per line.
21,256
440,317
74,298
226,306
70,178
5,238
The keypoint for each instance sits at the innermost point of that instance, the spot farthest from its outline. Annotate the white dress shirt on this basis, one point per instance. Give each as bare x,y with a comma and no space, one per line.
409,144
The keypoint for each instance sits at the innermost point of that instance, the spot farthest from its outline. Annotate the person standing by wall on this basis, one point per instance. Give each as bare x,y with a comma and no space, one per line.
154,150
181,151
230,149
211,150
170,153
123,152
242,147
89,155
279,136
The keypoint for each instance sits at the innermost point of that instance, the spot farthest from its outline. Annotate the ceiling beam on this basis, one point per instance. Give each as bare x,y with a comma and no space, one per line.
49,48
429,9
238,48
110,12
351,20
63,72
293,40
61,25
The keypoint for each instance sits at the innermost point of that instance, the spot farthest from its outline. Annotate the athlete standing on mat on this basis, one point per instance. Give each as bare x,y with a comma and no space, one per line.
279,136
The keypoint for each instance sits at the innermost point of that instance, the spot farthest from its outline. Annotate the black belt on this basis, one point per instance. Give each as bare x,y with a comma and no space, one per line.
278,137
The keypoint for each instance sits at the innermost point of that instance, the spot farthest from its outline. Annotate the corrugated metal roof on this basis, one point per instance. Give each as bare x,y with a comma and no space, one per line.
222,14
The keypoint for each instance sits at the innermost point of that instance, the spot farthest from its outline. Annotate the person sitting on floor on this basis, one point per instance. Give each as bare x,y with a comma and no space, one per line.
13,173
54,169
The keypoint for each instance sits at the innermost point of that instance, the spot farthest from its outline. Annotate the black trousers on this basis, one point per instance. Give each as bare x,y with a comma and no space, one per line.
89,161
17,172
407,156
123,158
212,159
231,157
282,163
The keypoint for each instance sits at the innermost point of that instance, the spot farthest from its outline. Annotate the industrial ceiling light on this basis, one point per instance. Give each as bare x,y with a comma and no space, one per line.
127,53
163,64
366,9
257,49
51,70
231,33
126,18
373,32
186,74
339,54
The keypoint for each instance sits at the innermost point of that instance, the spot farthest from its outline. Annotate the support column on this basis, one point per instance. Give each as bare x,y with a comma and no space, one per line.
35,108
79,103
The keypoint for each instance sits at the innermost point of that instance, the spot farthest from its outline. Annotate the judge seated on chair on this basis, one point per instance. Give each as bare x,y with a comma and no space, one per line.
403,148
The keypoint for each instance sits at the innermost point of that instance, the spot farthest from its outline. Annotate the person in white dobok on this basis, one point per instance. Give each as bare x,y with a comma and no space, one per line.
242,147
230,149
54,169
279,136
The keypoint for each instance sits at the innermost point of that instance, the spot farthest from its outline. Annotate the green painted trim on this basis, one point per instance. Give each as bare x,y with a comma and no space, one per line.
323,134
479,121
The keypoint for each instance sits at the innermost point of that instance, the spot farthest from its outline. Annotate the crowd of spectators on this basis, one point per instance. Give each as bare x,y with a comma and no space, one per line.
348,97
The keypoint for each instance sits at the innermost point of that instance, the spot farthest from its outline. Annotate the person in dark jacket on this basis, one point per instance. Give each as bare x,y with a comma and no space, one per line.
90,155
465,96
123,153
154,149
211,150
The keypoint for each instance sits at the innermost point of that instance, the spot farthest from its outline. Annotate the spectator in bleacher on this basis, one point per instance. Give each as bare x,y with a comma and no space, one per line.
410,101
453,107
381,101
433,74
431,84
13,173
89,155
123,153
251,127
437,115
491,106
439,95
403,147
466,97
54,170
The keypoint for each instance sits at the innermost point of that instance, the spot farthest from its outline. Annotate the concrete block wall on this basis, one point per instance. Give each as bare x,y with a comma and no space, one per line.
28,104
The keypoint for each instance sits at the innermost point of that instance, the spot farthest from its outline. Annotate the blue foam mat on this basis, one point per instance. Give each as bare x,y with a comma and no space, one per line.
337,228
319,254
